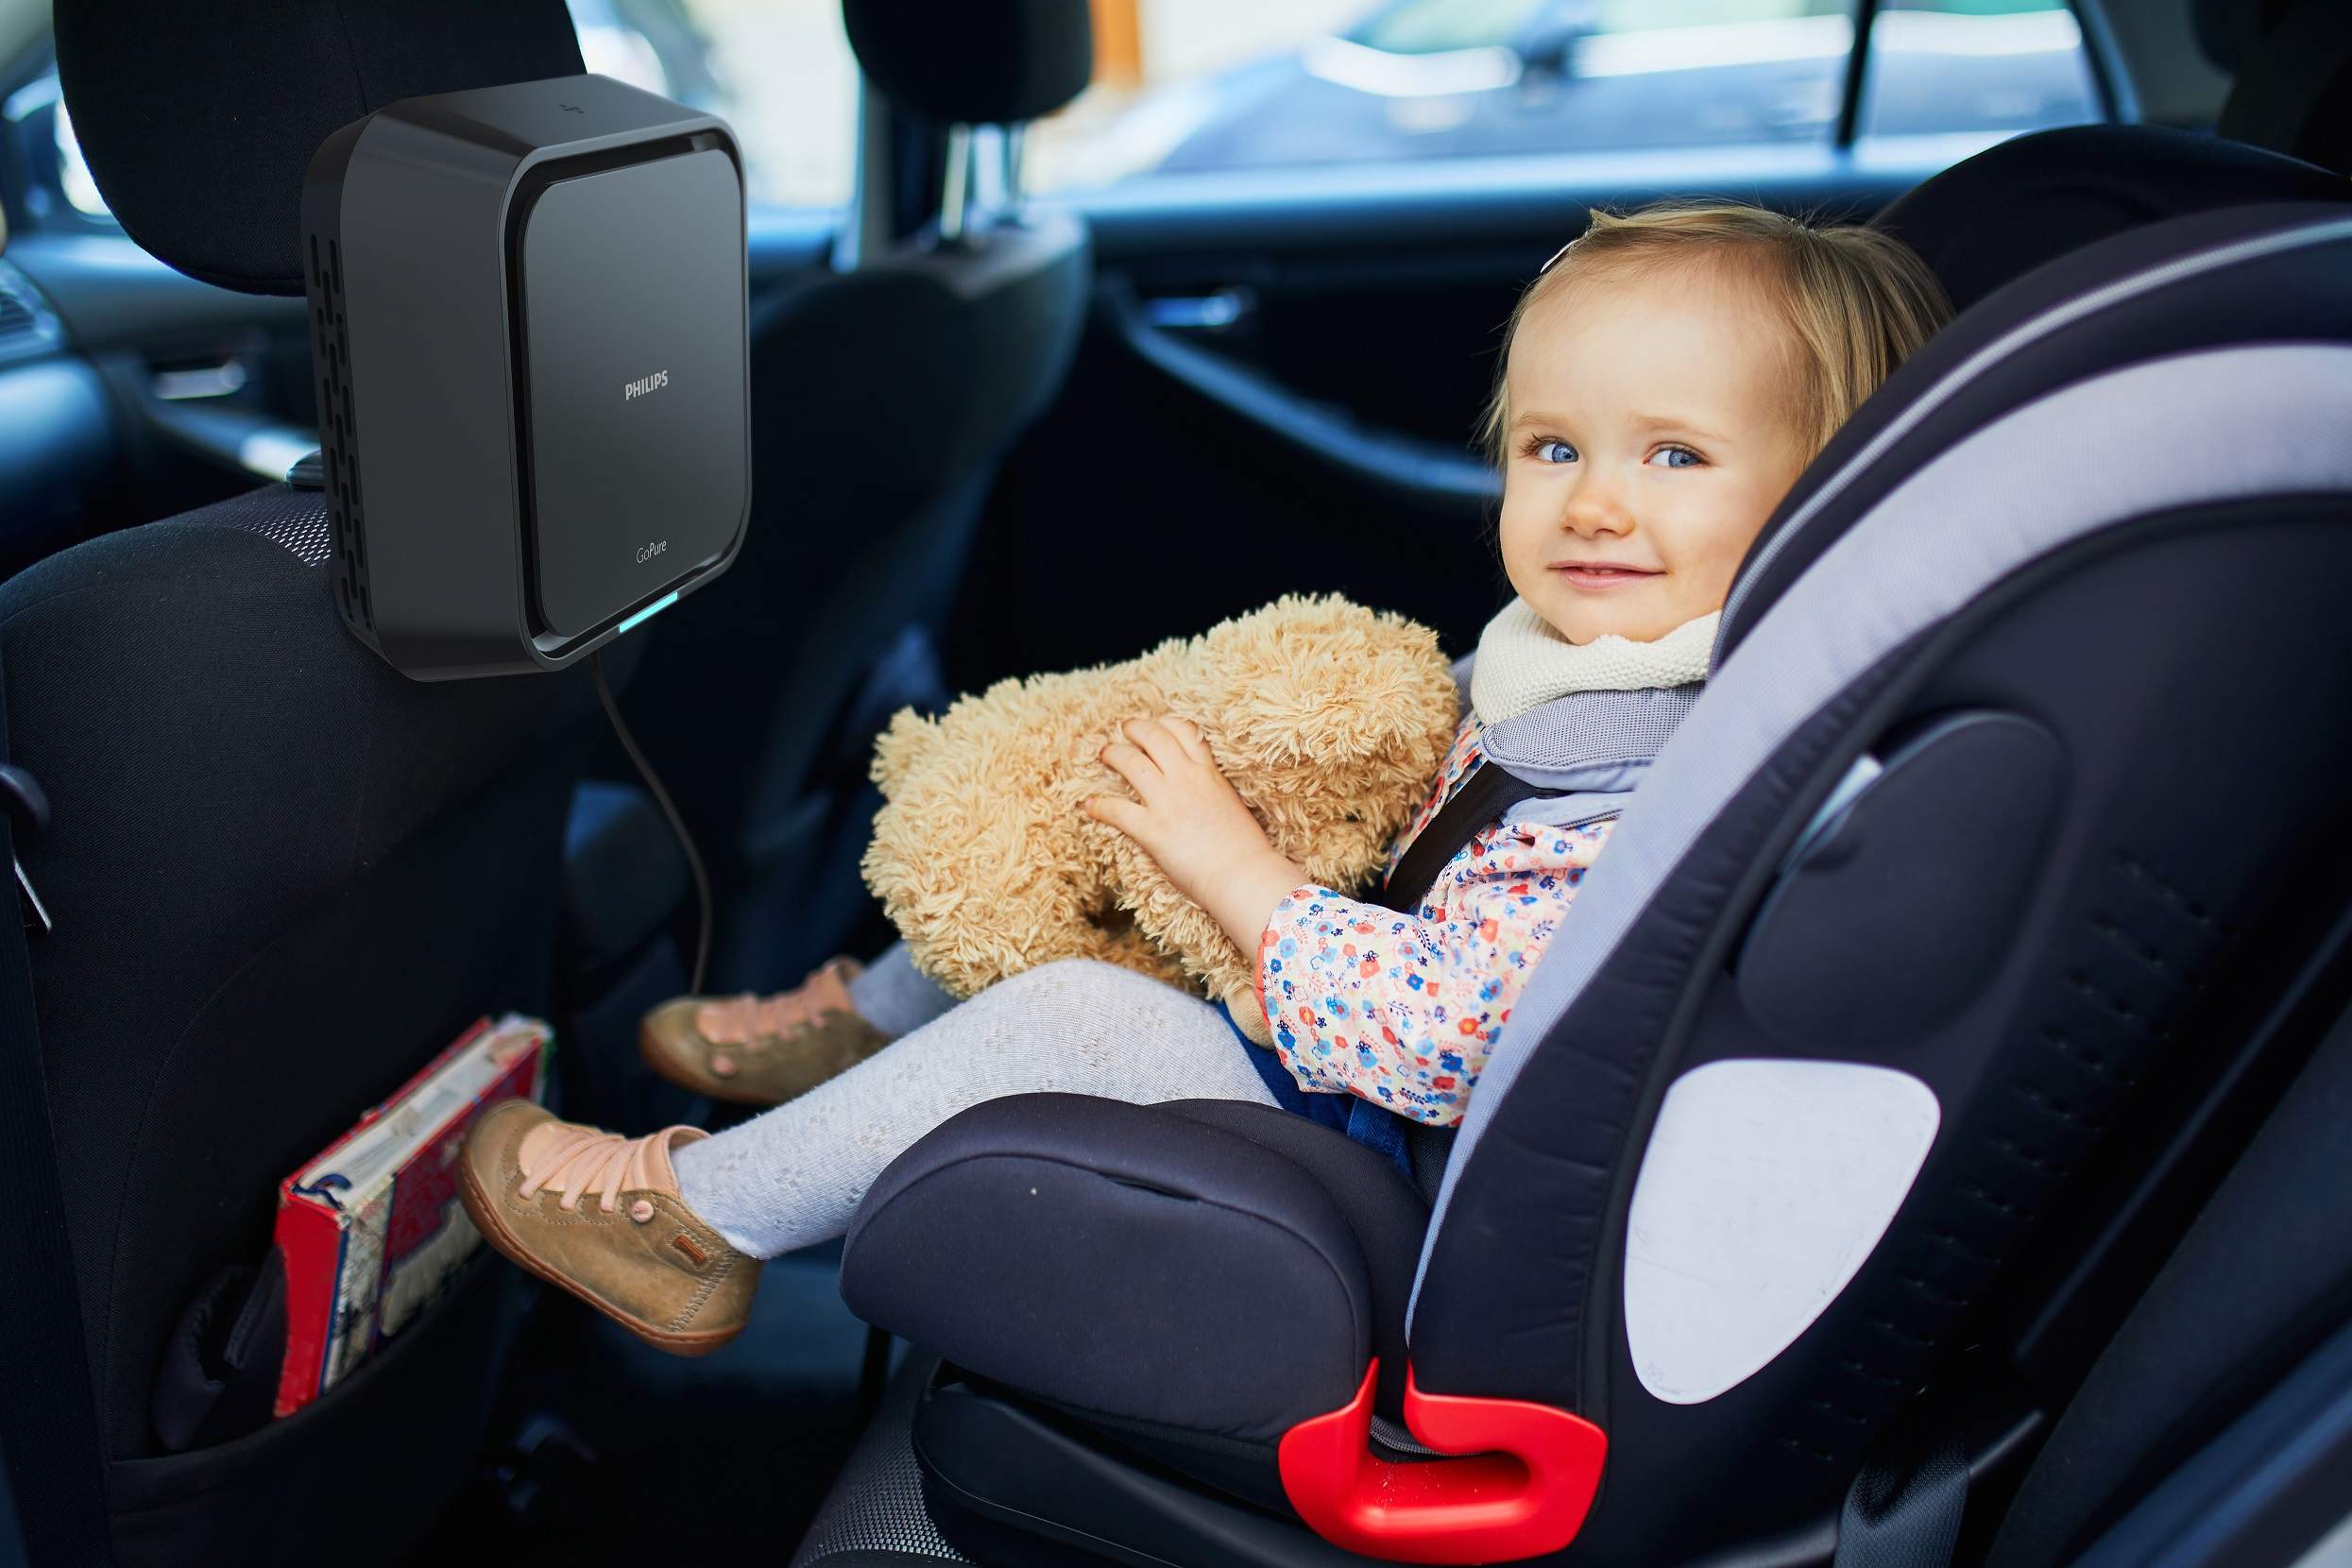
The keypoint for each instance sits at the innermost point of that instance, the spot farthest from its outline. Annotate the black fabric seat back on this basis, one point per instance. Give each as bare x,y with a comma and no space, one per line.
883,399
2290,63
282,875
1976,873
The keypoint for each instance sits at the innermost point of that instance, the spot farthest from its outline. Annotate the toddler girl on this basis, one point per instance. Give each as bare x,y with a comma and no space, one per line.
1664,380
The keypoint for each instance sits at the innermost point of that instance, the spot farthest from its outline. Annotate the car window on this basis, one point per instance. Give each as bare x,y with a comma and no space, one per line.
1206,85
779,72
53,185
1939,66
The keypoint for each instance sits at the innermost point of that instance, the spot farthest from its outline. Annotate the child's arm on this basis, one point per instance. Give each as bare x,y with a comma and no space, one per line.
1399,1009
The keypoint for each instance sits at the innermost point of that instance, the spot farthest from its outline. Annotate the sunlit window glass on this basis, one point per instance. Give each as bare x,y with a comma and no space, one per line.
1197,85
74,171
1944,66
778,71
1217,85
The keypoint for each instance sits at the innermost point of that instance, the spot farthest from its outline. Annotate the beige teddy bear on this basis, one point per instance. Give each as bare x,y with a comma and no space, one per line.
1330,719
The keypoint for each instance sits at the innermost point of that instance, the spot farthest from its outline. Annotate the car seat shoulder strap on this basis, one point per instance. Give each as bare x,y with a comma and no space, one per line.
1583,742
1489,793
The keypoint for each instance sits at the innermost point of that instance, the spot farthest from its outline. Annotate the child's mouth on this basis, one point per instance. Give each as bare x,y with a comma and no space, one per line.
1600,579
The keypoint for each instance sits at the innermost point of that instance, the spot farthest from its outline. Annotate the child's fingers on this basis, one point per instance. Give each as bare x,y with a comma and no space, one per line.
1188,736
1132,763
1156,742
1123,814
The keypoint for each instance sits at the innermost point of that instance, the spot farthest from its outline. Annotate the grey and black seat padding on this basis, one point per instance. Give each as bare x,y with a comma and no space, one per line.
1967,886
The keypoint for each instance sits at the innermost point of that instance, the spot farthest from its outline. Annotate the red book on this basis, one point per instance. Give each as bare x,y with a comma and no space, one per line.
371,1229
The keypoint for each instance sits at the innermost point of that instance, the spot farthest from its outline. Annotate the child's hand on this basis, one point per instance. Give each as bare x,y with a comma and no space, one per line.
1191,822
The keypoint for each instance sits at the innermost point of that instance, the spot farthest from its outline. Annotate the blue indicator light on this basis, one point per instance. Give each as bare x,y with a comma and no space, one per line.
648,611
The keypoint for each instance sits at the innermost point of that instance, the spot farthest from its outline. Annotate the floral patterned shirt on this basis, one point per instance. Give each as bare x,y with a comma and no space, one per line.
1404,1010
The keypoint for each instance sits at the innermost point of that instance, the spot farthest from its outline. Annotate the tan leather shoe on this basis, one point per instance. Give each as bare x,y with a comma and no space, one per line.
600,1215
761,1051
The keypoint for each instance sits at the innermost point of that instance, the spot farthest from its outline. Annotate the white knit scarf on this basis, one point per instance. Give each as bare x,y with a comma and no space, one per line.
1523,663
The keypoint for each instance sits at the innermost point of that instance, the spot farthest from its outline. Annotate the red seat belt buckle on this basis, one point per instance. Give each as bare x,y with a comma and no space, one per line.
1522,1489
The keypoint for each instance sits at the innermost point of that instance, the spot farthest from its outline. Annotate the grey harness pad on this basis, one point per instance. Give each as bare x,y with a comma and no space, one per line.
1561,742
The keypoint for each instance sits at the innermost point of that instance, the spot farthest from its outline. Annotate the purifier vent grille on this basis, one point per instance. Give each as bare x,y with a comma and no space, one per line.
338,433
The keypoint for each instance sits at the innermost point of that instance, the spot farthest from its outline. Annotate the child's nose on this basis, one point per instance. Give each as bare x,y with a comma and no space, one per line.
1593,509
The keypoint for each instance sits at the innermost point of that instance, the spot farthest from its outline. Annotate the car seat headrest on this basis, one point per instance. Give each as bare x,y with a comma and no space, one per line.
198,122
2010,346
2293,87
980,62
2014,206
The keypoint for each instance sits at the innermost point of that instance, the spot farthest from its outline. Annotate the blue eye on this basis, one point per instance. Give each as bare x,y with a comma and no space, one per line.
1553,451
1675,457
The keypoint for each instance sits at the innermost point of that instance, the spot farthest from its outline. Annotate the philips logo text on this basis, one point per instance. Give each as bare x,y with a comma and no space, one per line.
653,382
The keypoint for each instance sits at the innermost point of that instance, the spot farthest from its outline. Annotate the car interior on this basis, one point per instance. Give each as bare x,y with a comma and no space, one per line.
1985,930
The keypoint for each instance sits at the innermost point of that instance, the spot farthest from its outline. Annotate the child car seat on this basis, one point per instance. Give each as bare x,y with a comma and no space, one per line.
2033,198
280,874
1852,1106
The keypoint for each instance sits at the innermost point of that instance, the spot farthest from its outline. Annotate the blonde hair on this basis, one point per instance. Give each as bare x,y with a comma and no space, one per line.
1858,301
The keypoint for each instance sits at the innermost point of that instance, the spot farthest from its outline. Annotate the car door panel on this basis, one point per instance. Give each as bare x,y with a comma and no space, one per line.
1278,385
110,294
206,391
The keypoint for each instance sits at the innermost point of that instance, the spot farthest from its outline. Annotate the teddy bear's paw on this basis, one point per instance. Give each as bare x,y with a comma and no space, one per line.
1248,1017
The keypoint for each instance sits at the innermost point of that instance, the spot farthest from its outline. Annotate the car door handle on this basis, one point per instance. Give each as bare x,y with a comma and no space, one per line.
235,438
1408,467
220,378
1215,311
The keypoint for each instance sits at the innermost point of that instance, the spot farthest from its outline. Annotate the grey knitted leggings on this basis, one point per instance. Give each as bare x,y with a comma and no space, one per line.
792,1177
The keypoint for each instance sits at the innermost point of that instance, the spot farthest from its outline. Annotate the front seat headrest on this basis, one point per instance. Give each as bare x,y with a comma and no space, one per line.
198,120
2022,202
982,62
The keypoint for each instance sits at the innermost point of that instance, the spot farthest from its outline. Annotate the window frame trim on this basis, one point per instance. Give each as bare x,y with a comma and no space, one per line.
1865,14
2109,86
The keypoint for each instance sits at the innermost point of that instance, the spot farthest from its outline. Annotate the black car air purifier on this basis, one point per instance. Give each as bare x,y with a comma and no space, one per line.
527,306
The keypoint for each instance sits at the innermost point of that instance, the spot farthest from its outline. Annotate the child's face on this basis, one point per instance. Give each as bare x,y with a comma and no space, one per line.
1653,430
